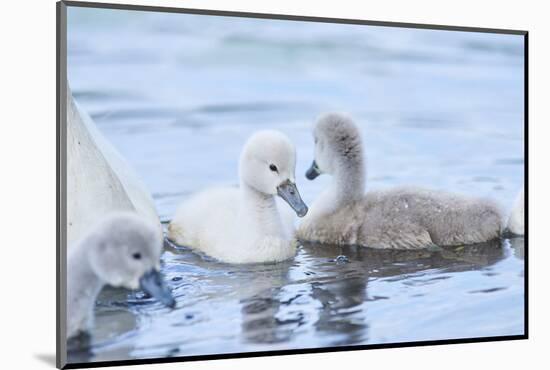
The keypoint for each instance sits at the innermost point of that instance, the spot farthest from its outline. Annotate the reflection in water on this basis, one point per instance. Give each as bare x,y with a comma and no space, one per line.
78,348
517,245
338,317
259,321
339,290
343,299
259,311
114,322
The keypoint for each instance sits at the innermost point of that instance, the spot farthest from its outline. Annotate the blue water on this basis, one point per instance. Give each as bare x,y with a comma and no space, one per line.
179,94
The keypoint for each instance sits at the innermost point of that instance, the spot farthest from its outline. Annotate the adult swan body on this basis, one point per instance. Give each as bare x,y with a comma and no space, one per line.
99,180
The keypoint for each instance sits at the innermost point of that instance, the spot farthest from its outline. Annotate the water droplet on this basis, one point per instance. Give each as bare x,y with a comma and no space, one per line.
342,259
142,295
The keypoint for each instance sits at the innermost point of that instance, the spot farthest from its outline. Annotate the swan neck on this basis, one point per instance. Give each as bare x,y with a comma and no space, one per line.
349,182
79,266
260,211
83,284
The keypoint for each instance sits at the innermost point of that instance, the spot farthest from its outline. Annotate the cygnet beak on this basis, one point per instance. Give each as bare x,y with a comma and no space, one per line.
289,192
313,171
152,283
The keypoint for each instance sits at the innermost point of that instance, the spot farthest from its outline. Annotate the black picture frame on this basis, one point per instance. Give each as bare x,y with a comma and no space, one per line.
61,78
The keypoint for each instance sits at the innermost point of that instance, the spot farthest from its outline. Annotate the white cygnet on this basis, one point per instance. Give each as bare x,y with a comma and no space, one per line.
245,224
121,251
399,218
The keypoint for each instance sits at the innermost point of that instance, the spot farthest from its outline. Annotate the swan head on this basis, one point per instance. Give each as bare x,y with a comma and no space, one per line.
267,165
337,144
123,252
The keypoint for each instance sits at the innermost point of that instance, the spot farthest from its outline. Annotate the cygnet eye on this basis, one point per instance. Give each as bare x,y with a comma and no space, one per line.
136,256
273,168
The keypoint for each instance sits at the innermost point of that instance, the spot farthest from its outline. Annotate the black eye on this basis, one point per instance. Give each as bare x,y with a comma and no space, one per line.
137,256
272,167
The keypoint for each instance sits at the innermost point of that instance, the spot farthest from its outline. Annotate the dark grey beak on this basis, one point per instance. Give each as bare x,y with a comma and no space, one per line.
152,283
313,171
288,191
